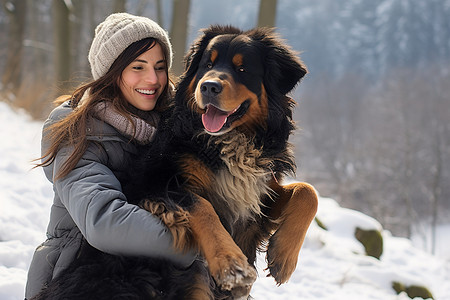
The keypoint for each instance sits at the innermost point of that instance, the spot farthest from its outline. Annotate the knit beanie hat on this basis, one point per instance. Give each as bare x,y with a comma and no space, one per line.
119,31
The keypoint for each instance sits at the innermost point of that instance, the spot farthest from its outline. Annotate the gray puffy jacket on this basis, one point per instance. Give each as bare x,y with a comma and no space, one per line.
89,203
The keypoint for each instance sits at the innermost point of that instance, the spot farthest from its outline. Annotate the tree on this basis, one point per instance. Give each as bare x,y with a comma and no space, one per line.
119,6
178,33
267,13
16,11
159,16
62,44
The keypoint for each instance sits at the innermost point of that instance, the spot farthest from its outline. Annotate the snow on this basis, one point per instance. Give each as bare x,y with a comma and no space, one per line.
332,264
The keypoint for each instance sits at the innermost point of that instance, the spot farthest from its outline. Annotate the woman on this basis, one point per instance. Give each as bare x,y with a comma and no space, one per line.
88,143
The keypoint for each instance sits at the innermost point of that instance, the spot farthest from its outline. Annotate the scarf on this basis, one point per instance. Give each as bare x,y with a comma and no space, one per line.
143,131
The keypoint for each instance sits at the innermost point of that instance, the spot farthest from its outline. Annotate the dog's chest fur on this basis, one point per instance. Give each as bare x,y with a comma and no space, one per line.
242,182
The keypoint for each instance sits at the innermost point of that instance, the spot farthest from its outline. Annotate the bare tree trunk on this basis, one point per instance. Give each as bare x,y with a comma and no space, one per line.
76,33
159,15
119,6
16,11
406,180
33,91
62,55
435,186
91,19
178,33
267,13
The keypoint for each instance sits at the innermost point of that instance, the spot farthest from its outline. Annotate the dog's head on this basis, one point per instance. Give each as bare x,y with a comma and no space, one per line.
239,79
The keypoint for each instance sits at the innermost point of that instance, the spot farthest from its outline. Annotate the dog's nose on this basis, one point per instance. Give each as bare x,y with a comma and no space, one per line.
211,88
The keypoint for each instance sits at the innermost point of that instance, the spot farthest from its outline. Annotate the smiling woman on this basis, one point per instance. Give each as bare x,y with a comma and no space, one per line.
144,80
88,143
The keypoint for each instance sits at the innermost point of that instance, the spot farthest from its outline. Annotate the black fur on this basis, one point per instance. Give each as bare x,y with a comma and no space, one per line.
97,275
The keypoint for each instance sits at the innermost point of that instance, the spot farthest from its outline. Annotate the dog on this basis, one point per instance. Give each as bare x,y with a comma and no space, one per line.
213,175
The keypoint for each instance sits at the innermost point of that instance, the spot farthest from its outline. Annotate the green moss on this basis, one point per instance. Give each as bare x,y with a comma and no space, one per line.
418,291
412,291
398,287
320,224
372,241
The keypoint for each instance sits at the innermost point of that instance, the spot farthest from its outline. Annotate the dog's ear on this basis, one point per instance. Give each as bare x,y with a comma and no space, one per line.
291,68
284,68
195,52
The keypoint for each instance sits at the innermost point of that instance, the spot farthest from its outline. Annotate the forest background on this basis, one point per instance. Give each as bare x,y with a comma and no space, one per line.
373,113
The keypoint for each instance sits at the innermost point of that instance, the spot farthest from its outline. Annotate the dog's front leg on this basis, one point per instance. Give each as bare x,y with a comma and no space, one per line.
294,208
226,262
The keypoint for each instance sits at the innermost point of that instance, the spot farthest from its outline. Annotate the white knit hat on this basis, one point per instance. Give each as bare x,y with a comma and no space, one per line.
119,31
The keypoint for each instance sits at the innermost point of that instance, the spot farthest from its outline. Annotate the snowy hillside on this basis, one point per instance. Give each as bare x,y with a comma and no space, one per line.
332,263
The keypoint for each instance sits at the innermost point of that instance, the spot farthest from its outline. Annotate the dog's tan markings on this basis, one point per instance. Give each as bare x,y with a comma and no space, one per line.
191,86
238,60
294,210
233,94
189,95
214,55
226,262
257,112
177,221
200,289
198,175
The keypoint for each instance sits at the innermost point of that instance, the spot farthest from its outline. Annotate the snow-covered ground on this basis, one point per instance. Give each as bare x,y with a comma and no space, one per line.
332,263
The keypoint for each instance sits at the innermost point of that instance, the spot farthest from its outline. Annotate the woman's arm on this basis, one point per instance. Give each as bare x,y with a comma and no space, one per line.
94,199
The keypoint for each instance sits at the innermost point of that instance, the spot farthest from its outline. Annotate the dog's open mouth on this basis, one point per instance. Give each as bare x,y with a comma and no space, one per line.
214,119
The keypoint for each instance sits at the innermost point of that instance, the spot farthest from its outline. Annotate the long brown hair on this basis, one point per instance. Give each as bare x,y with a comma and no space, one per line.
71,130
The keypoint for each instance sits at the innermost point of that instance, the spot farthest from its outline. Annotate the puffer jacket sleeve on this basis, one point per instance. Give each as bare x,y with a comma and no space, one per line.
92,195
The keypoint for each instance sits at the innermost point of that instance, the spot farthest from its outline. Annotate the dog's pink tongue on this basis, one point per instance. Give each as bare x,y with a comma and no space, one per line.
214,118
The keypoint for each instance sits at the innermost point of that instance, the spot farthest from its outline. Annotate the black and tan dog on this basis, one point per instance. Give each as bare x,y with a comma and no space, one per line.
213,176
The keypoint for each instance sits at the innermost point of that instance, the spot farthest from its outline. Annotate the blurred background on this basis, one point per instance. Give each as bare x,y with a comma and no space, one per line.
373,112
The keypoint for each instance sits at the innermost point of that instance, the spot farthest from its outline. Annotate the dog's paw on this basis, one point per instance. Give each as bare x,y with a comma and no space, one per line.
234,275
281,260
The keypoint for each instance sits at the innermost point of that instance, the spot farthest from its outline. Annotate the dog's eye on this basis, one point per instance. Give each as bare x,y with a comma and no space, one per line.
241,69
209,65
